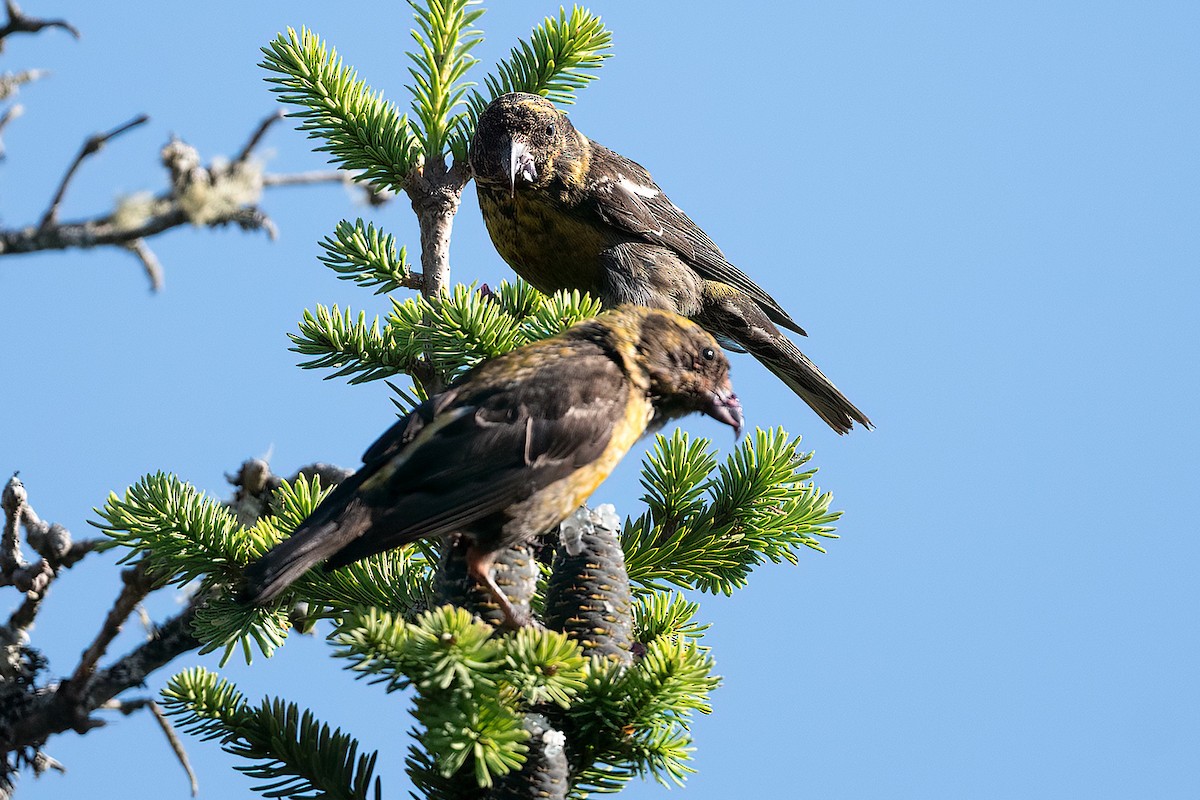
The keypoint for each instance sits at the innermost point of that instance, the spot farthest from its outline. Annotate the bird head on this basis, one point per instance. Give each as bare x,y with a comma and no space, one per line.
523,140
683,365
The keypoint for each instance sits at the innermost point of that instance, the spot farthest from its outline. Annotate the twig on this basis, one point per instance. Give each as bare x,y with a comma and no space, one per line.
54,710
11,82
174,637
308,178
12,112
42,762
136,587
374,196
257,136
18,22
13,500
255,219
52,542
92,145
176,745
32,579
127,707
24,615
150,262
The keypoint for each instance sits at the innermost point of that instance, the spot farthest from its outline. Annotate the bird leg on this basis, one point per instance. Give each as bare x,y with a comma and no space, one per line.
479,567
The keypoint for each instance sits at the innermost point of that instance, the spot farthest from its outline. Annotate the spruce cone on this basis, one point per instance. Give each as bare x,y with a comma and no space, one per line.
515,572
545,772
588,597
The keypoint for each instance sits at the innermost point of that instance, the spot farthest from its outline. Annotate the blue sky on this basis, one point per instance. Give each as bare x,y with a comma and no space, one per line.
985,215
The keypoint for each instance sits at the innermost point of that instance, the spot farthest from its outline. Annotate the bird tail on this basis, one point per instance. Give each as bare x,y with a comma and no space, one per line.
731,314
339,520
801,375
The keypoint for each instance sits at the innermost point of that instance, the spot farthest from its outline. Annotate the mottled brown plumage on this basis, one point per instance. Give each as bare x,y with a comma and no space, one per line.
568,213
509,450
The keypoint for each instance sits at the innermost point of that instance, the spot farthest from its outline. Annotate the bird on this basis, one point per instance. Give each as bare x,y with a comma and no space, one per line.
512,448
566,212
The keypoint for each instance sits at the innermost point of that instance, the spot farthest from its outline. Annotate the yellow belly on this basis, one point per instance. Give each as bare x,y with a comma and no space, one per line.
549,247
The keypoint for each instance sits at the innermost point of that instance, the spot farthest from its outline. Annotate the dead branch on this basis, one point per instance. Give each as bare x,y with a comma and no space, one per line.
30,713
58,708
19,22
12,112
127,707
214,195
92,145
50,541
11,82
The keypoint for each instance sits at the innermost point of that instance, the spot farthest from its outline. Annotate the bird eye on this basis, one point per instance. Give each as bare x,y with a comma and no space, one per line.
709,354
550,129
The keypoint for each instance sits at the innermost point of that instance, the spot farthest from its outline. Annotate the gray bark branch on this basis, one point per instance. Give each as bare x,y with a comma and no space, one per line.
213,195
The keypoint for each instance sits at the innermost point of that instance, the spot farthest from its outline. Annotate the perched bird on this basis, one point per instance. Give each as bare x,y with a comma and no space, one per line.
512,448
568,213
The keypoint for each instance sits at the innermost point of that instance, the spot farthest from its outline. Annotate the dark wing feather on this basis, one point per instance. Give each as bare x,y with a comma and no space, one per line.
397,437
496,451
626,197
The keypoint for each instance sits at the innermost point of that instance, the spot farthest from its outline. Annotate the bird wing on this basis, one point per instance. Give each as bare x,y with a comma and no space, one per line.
491,448
406,429
625,196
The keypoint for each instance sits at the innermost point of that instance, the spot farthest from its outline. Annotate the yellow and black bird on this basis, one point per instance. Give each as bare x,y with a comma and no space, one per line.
512,448
568,213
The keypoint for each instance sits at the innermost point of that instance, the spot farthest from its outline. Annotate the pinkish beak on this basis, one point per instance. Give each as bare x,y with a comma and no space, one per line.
724,406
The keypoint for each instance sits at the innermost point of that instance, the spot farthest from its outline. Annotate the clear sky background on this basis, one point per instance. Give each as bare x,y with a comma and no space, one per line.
986,215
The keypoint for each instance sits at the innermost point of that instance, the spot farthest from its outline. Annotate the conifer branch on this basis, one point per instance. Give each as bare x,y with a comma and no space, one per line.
560,57
292,753
485,701
635,722
349,345
706,527
182,534
445,36
442,335
367,255
361,131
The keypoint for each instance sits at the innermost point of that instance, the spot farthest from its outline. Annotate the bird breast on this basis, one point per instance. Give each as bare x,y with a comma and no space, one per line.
547,245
